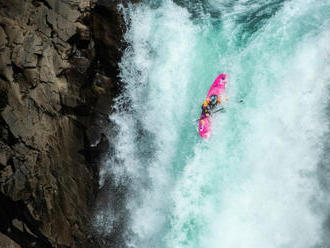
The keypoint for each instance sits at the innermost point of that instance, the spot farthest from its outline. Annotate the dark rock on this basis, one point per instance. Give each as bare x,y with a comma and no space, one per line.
58,76
108,30
63,27
64,10
83,31
3,99
82,64
32,76
14,32
3,38
7,242
6,71
5,154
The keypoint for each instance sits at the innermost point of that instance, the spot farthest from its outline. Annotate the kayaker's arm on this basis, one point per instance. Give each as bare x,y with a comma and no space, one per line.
221,109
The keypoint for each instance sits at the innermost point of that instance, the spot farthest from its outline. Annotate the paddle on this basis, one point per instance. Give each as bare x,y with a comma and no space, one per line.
222,109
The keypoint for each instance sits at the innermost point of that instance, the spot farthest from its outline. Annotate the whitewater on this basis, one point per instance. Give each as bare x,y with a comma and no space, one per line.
262,179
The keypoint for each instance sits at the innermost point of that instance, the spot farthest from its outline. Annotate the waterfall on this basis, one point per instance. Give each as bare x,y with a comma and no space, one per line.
260,180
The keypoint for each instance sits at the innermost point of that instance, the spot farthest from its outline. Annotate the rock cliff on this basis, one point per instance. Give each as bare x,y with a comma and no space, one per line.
58,76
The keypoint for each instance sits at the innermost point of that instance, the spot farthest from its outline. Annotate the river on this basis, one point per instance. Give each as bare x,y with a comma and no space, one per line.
262,179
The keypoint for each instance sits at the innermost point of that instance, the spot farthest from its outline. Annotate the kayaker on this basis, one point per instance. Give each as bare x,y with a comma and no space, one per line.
212,104
206,108
209,104
214,101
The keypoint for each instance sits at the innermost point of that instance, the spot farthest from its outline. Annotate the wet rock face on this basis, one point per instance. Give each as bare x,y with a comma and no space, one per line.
58,74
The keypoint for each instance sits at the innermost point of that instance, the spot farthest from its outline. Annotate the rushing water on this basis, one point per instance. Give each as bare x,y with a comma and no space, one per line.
261,180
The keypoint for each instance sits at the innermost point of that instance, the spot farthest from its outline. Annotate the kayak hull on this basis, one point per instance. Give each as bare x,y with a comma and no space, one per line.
217,88
204,127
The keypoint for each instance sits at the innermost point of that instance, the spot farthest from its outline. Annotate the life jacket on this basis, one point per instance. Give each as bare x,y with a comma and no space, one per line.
206,102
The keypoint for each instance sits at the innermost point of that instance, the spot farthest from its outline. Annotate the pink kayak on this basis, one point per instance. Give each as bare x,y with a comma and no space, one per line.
218,89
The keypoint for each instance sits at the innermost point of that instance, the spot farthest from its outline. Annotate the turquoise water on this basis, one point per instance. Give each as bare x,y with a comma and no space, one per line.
254,183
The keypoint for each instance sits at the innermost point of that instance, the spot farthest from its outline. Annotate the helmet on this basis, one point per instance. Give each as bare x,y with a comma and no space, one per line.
213,99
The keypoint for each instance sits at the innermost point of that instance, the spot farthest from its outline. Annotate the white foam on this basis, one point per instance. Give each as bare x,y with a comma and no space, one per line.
249,185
